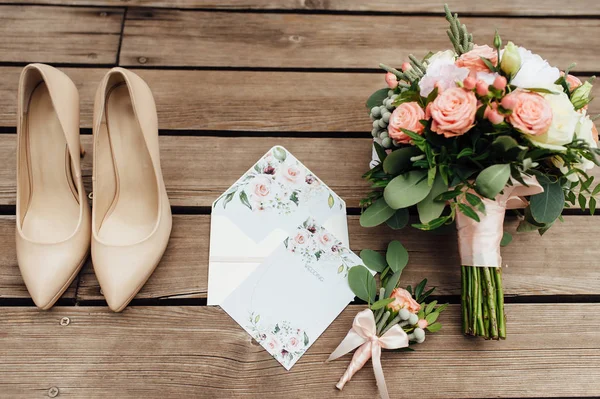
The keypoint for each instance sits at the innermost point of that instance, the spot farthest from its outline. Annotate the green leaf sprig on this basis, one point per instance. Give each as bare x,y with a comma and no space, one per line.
389,267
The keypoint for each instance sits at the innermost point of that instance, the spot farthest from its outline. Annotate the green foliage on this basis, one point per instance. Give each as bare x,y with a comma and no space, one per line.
373,260
546,207
376,99
492,180
407,189
362,283
461,39
376,214
396,256
444,176
399,219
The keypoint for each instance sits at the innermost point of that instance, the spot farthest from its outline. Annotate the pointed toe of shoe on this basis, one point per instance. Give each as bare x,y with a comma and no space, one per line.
48,274
122,274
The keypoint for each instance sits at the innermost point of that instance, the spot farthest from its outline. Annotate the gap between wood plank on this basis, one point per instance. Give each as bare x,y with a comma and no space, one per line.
311,11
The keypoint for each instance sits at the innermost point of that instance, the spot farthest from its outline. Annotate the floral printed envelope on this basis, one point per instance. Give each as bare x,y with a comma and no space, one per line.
295,294
258,211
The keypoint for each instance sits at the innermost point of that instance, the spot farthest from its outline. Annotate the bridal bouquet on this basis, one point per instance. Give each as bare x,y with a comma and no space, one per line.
465,134
396,317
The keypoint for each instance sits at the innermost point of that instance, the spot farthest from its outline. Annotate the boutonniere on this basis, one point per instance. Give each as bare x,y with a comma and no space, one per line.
396,317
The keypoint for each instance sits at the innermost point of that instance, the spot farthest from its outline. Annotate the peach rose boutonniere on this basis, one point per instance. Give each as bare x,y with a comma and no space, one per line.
403,300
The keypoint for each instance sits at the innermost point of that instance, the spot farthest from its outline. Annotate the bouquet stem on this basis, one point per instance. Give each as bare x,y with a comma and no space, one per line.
482,300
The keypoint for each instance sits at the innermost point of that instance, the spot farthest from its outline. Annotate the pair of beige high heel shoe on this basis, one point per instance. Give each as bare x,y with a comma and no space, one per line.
130,222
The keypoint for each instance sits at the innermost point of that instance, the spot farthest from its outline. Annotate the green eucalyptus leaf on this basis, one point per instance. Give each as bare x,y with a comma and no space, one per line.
373,260
376,99
492,180
399,161
430,209
382,303
362,283
376,214
399,220
407,189
548,205
505,143
392,282
506,239
396,256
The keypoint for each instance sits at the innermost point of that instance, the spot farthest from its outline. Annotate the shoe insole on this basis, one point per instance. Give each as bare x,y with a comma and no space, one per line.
134,210
53,210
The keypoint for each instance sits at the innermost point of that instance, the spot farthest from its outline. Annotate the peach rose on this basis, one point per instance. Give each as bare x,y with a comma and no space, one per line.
292,173
261,187
531,114
406,116
453,112
293,343
403,300
472,59
573,81
273,344
595,132
302,237
326,240
422,324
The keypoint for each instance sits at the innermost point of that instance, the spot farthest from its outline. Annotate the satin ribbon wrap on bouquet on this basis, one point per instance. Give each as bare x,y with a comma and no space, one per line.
482,295
479,242
364,337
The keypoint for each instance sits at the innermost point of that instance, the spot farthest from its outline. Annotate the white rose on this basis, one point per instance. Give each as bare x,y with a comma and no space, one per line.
535,72
564,121
447,57
441,71
583,131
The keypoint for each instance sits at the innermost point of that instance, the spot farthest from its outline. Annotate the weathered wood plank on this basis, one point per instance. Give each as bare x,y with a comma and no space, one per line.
201,352
59,34
508,7
154,37
11,282
198,169
222,100
237,101
535,265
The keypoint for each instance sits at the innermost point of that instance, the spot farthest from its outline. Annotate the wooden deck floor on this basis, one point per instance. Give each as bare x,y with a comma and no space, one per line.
231,79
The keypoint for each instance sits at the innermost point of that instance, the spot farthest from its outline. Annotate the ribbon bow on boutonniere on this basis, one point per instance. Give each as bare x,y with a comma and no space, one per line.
363,335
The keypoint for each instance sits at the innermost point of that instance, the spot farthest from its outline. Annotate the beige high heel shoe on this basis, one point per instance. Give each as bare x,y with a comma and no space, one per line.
131,215
53,215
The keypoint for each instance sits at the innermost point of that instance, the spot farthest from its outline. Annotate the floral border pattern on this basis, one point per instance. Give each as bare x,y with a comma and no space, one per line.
283,341
277,183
